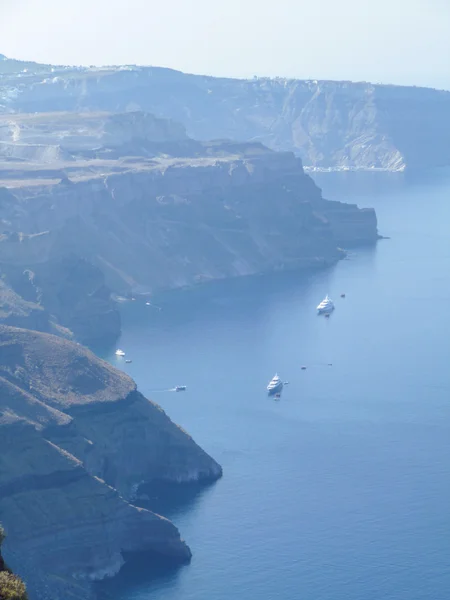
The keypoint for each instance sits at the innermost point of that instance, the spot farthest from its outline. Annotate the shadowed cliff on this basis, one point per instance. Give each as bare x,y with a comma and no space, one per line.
77,441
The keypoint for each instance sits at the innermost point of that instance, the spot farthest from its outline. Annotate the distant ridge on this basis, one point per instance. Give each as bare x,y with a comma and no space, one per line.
331,125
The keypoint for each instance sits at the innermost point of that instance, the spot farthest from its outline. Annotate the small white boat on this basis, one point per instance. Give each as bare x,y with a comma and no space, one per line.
180,388
326,306
120,352
275,385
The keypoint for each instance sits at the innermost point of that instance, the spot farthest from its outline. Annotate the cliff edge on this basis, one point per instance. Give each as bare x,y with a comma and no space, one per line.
77,440
130,204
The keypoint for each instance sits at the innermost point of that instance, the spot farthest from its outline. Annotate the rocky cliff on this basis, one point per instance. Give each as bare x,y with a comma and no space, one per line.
77,440
66,296
329,124
146,209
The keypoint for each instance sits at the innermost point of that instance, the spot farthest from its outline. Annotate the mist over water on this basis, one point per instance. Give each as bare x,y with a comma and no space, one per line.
339,491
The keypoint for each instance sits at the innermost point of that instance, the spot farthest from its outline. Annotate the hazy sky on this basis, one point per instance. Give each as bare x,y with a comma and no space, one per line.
392,41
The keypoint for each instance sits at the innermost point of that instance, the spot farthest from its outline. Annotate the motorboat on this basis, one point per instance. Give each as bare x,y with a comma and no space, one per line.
180,388
120,352
275,385
326,306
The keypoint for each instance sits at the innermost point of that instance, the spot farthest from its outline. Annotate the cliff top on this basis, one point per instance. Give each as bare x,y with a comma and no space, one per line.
59,373
18,175
330,124
49,137
29,68
46,148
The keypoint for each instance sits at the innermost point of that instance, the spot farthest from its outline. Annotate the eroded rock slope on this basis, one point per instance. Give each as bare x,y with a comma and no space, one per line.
76,442
141,214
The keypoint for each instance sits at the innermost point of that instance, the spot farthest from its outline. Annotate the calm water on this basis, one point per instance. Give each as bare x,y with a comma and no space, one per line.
340,490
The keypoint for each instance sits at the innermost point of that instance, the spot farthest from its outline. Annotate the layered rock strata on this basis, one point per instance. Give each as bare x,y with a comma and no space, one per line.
330,124
76,442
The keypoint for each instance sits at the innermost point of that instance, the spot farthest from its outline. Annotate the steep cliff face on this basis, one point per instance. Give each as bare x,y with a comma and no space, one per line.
58,294
166,222
76,439
329,124
136,206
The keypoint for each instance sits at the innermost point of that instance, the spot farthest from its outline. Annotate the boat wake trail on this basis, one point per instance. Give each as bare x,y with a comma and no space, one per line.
306,366
159,308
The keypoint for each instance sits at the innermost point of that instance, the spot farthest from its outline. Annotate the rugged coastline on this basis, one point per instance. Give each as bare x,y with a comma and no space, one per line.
77,441
99,205
146,209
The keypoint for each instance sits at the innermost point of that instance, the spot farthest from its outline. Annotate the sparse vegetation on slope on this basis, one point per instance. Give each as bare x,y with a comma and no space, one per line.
11,586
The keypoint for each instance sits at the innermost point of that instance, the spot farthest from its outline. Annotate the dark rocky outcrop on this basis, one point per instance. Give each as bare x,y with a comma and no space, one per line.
77,440
329,124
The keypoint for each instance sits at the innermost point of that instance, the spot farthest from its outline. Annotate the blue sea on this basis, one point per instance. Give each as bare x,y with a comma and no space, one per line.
340,490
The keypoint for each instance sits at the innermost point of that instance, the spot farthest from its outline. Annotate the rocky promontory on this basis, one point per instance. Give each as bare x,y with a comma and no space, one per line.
97,203
77,440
